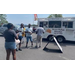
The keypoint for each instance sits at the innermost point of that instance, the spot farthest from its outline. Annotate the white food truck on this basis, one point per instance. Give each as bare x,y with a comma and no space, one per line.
62,28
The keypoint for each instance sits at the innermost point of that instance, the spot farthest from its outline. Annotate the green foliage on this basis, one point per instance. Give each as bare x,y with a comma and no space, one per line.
55,15
3,19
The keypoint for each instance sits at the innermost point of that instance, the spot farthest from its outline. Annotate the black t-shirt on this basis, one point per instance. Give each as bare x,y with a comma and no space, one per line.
9,35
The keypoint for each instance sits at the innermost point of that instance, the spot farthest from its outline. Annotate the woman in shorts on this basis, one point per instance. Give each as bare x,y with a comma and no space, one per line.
10,45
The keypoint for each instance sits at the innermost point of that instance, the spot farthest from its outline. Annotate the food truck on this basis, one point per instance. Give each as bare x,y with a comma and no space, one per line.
62,28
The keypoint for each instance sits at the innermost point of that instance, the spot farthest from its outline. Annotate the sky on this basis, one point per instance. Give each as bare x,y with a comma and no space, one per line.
29,18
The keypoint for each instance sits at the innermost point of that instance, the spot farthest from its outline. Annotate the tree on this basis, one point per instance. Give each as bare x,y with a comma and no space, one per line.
55,15
3,19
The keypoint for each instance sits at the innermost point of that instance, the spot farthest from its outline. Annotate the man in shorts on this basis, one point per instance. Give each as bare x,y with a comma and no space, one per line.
23,34
28,32
20,30
40,30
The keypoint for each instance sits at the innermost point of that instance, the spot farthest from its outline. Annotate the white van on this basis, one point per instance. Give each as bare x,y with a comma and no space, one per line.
62,28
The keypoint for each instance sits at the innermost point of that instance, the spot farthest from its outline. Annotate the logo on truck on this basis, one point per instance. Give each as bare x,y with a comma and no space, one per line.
48,30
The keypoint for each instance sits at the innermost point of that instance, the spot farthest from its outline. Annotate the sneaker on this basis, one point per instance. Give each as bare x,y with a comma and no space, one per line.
36,47
20,49
26,46
16,49
39,46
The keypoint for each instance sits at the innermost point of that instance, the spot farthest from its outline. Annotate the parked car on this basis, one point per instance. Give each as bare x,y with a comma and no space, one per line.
34,29
4,27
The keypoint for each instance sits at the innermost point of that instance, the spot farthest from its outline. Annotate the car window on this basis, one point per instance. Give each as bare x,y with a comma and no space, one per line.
4,25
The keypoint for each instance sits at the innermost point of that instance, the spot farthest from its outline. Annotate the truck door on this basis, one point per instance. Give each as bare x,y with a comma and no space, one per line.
69,31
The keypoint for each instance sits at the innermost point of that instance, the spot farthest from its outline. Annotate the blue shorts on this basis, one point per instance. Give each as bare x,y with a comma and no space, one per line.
29,37
10,45
20,38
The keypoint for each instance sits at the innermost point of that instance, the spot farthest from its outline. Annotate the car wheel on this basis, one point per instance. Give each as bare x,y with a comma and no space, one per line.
60,39
50,38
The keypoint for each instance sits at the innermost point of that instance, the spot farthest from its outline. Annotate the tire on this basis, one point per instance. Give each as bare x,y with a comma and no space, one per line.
60,39
50,38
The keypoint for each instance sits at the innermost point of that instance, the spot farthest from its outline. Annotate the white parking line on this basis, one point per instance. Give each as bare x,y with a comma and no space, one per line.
65,58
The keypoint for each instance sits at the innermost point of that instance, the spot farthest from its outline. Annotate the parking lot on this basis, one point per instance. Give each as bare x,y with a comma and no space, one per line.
52,52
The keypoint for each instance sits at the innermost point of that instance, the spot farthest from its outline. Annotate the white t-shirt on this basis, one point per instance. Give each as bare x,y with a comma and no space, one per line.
20,33
40,31
28,30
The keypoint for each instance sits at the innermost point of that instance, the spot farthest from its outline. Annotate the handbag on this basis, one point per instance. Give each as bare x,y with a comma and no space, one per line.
17,41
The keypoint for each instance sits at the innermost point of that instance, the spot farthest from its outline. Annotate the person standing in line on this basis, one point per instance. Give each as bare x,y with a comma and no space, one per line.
23,39
28,32
17,41
10,45
20,30
39,31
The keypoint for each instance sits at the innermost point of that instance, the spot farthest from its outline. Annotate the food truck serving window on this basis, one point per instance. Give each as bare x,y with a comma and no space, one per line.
68,24
54,24
44,23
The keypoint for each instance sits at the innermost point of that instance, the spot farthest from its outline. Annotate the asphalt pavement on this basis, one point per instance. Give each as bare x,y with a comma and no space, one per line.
51,52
